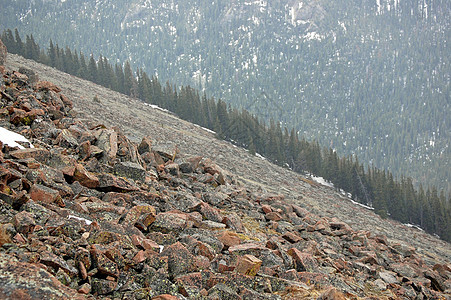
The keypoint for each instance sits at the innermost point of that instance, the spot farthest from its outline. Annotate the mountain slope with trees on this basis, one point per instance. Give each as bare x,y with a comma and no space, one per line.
369,77
396,198
90,214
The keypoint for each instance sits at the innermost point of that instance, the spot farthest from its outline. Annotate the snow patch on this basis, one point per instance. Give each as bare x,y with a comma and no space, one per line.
362,205
322,181
313,36
260,156
156,107
206,129
11,138
413,226
80,219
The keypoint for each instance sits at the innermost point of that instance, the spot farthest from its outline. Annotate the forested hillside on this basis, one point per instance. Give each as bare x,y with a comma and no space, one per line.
368,77
390,197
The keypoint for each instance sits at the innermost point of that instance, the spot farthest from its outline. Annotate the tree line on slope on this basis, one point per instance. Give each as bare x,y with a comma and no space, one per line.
390,197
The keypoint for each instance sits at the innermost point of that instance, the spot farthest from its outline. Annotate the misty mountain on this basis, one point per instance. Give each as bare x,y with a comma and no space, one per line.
369,78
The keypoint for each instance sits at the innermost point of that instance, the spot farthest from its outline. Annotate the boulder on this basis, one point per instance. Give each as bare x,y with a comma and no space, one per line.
107,141
248,265
229,239
130,170
111,183
47,86
21,280
103,264
303,261
145,145
44,194
85,177
174,221
181,261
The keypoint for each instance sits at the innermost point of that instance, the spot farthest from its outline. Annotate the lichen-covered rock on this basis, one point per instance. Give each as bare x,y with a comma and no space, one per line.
130,170
171,222
22,280
181,261
248,265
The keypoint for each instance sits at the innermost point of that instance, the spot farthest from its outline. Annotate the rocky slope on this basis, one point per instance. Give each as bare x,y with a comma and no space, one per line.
122,200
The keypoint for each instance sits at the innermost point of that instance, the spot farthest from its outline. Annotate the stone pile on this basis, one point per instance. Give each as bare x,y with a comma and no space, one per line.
88,214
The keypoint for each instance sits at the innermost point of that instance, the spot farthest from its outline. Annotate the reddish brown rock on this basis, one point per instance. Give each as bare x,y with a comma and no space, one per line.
208,212
233,222
111,183
340,228
248,265
171,221
181,261
46,85
204,250
165,297
292,237
41,155
300,212
144,214
273,216
229,239
148,244
24,222
84,288
303,261
44,194
332,294
82,270
103,263
140,257
266,208
85,178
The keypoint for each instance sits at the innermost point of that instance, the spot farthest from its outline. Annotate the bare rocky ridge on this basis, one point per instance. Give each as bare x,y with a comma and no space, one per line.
170,203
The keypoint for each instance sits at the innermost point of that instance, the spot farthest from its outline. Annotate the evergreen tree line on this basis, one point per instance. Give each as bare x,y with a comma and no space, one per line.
389,196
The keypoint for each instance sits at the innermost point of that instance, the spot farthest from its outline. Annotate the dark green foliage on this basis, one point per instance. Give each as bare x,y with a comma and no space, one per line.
397,199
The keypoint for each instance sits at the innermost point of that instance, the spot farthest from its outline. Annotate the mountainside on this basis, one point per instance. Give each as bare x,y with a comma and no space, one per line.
364,77
209,219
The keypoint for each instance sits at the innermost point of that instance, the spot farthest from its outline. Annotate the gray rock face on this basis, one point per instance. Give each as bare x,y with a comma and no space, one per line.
130,170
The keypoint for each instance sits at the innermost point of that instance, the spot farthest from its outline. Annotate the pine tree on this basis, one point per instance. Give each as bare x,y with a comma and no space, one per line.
131,85
120,78
19,45
92,70
51,52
